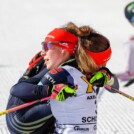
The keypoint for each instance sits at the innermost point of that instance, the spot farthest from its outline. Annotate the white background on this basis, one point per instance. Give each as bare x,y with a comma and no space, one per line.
23,26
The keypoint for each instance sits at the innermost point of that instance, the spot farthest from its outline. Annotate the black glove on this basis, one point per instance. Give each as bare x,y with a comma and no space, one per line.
35,65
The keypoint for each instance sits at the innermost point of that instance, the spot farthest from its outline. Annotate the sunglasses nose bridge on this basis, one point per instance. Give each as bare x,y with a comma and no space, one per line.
45,46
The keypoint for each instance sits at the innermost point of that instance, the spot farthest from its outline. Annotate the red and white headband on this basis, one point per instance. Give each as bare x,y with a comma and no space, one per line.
66,39
101,58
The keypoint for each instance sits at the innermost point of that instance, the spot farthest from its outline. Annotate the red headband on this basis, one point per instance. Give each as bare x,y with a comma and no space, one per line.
67,40
101,58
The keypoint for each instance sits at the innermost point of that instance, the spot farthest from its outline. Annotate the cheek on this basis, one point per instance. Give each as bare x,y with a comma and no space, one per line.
54,55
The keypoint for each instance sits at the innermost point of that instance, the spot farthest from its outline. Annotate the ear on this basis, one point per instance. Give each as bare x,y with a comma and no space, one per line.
63,51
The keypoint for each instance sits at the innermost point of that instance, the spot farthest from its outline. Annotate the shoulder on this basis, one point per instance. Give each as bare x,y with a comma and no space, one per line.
57,75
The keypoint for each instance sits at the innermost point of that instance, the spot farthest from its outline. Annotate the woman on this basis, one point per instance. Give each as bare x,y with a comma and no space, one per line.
77,114
59,48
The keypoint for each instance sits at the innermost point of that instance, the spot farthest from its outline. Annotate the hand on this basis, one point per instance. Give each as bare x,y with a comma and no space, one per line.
61,92
113,83
35,65
101,77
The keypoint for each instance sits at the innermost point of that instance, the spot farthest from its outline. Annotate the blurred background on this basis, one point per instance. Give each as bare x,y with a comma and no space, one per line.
23,26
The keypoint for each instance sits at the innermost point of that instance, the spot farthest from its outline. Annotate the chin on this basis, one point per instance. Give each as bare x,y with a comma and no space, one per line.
49,67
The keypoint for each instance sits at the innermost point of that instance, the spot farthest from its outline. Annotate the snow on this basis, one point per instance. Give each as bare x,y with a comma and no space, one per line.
23,26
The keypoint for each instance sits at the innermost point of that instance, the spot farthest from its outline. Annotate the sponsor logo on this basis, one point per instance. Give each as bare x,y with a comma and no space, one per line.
91,97
78,128
64,44
50,78
50,36
55,71
92,119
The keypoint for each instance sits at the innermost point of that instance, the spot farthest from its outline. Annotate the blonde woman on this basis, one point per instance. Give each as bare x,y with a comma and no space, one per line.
75,57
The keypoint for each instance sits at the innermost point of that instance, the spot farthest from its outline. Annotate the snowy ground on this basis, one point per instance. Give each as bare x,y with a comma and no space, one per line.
23,26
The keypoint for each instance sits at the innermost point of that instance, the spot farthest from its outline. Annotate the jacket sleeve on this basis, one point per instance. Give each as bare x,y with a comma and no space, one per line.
29,91
28,88
25,89
35,79
57,76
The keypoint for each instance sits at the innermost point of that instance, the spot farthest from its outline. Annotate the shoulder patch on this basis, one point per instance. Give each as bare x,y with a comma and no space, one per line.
55,71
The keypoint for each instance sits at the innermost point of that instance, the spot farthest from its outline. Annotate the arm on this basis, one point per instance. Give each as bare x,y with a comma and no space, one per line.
29,91
35,79
28,88
62,84
57,76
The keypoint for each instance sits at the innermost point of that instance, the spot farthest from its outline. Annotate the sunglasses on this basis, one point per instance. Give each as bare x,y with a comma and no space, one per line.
46,45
